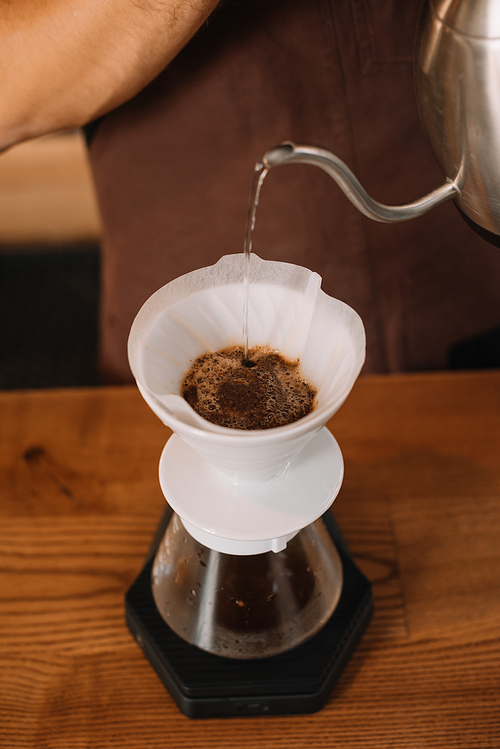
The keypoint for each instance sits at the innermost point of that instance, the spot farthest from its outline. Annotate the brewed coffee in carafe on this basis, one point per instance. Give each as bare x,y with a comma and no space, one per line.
246,606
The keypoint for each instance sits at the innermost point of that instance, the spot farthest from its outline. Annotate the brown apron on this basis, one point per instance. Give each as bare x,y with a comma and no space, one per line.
173,169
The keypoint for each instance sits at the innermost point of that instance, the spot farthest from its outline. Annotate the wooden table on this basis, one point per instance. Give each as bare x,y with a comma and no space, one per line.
420,508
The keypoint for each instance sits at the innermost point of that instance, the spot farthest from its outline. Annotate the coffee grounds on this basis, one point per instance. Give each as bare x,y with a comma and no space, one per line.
263,392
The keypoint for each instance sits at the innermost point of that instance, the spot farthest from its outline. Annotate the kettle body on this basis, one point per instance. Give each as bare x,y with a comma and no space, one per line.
457,79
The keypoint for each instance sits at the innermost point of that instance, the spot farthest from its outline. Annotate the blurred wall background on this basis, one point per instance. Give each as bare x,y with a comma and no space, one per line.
49,265
46,193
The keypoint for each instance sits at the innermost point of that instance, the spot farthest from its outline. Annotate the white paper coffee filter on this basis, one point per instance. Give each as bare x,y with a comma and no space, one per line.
203,312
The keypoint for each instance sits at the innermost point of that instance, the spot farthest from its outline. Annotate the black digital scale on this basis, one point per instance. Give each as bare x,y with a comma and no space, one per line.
208,686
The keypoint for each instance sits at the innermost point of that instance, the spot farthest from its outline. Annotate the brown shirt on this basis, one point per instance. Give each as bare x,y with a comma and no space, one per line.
173,169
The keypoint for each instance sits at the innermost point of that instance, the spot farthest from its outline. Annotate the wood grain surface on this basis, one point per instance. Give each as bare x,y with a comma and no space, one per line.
420,508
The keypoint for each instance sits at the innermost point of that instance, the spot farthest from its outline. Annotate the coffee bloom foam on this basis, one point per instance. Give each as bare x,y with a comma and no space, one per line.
263,392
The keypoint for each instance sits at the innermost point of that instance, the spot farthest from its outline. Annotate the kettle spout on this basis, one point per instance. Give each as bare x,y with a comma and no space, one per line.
289,153
278,155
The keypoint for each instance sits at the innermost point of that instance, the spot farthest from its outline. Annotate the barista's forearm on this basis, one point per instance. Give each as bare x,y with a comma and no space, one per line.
65,62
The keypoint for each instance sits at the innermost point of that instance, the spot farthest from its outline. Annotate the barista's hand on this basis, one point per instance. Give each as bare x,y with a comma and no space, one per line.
65,62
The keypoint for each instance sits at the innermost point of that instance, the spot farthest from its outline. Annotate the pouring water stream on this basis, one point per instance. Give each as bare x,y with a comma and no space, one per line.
259,176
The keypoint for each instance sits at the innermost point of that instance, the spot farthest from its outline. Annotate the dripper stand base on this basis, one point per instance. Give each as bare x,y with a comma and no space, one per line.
298,681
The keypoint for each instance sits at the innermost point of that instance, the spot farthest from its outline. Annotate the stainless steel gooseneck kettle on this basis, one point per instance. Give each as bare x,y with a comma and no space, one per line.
457,77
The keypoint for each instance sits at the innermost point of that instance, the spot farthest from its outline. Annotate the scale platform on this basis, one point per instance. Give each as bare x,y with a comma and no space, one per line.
204,685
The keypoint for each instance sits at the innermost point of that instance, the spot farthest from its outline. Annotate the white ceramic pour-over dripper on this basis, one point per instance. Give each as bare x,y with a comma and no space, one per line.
203,312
